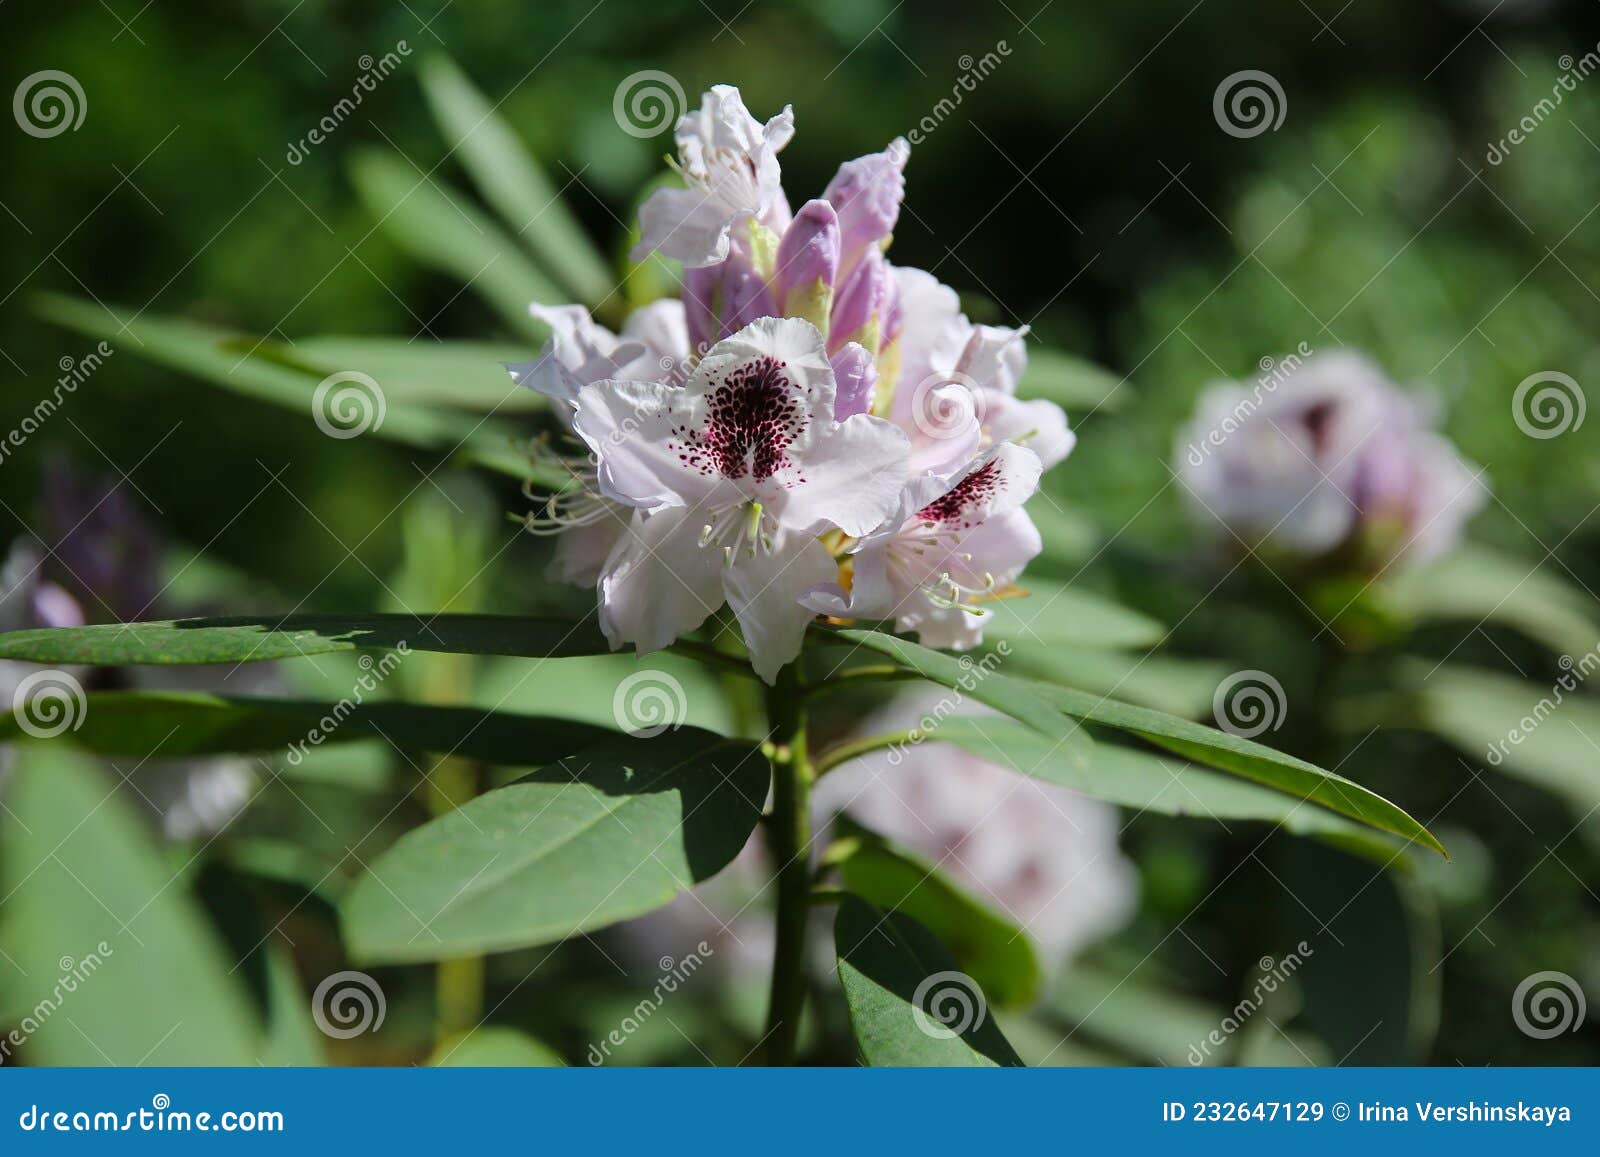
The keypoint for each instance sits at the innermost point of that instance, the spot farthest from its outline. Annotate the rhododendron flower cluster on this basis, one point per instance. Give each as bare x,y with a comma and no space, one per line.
1334,459
806,430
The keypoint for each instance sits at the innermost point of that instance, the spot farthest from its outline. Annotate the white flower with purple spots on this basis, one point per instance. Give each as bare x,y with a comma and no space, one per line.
733,476
729,164
954,541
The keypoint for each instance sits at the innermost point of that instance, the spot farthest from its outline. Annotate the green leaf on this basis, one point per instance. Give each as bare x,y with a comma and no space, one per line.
89,898
1055,614
1178,686
510,180
292,1036
494,1047
978,677
1121,1008
1243,757
610,833
224,358
992,949
1548,736
1071,382
1145,781
177,723
907,997
242,639
450,236
1477,583
422,372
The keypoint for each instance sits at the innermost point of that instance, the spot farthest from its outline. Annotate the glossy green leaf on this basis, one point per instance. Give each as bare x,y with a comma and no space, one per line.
1548,736
610,833
1145,781
1177,686
241,365
1072,383
117,963
977,675
510,180
910,1005
451,236
1243,757
994,950
242,639
1055,614
176,723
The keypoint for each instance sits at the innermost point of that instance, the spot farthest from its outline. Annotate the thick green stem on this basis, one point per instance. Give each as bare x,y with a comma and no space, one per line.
789,838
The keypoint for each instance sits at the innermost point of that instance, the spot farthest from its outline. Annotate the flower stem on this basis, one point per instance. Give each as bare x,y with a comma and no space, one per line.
789,838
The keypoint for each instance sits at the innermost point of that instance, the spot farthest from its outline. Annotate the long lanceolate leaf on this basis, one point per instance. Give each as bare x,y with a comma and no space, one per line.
1242,757
447,234
510,180
226,359
1022,700
978,676
262,637
168,724
607,834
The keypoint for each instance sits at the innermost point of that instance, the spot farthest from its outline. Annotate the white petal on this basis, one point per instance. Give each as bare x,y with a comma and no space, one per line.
765,593
630,427
690,225
1039,425
853,478
659,583
661,328
995,357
